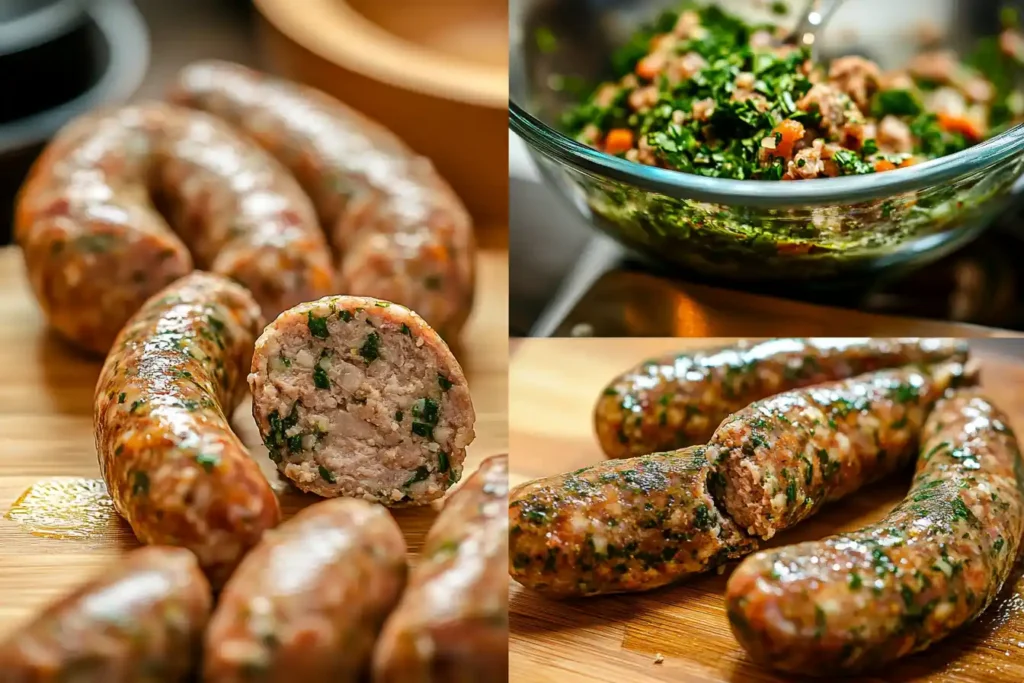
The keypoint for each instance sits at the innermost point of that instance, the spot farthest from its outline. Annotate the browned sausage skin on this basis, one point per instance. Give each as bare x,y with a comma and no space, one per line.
779,460
141,621
308,602
96,246
861,599
452,623
399,231
680,399
175,470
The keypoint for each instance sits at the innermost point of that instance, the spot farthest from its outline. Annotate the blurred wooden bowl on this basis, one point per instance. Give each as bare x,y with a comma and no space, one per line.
434,72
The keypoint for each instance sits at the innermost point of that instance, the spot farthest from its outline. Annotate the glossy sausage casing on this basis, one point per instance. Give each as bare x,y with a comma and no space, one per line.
399,230
140,621
175,470
779,460
860,599
679,400
90,219
452,623
620,526
308,602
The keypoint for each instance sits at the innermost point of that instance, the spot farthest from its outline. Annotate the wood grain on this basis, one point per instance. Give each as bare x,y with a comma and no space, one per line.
46,431
617,639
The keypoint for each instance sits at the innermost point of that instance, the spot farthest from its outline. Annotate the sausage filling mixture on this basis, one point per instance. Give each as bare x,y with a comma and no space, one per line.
703,92
359,397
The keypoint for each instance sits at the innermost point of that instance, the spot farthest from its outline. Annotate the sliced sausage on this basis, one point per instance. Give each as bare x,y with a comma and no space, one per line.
97,246
175,470
779,460
308,602
860,599
141,621
399,231
679,400
359,397
620,526
452,623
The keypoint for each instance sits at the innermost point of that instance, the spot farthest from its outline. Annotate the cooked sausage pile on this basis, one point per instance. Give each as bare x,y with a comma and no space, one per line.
640,523
124,202
323,597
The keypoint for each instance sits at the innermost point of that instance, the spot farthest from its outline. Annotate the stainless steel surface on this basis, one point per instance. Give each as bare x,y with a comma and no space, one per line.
27,23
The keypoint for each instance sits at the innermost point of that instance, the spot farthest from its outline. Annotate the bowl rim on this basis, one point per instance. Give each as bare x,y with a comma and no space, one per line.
764,193
370,50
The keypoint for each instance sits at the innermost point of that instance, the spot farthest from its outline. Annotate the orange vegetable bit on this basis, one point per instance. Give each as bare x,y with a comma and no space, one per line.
952,123
619,141
650,66
883,165
792,132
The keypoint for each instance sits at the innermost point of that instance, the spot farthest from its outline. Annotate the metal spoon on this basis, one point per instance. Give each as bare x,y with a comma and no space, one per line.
812,22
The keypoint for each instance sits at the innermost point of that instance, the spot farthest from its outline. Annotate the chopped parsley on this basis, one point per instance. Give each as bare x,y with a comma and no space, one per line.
317,325
370,349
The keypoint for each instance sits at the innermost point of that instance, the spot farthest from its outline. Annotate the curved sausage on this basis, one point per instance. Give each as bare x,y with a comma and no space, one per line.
399,231
861,599
308,602
620,526
452,623
359,397
175,470
779,460
90,219
679,400
141,621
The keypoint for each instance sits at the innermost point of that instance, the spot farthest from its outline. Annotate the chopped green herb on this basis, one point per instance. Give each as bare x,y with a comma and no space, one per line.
326,474
320,378
444,382
442,461
317,325
208,461
140,483
121,397
370,350
422,473
346,316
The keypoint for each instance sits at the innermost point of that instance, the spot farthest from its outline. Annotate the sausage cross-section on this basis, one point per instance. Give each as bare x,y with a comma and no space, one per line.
175,470
141,621
308,602
679,400
858,600
91,219
451,625
779,460
360,397
620,526
399,230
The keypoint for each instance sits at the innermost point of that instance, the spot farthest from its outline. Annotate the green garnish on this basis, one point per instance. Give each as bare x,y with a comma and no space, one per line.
317,325
444,382
320,378
326,474
370,350
208,461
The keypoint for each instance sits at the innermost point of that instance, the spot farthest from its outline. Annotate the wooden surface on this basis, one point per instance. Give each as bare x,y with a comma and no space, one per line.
617,639
46,432
632,304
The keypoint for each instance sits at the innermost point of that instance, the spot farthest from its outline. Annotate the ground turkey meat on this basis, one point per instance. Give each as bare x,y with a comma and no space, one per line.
359,397
857,77
894,136
836,109
812,162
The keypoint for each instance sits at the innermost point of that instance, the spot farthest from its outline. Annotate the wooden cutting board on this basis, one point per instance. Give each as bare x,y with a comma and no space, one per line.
46,433
618,639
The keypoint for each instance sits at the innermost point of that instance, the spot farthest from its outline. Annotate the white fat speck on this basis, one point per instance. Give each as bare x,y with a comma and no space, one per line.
304,359
325,363
580,522
321,422
308,441
442,434
600,544
433,447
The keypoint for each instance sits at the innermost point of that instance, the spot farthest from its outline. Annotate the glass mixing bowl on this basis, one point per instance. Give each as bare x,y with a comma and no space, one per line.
758,230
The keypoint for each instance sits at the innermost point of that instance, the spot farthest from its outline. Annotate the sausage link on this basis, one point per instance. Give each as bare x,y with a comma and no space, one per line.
452,623
399,231
97,248
175,470
308,602
861,599
779,460
620,526
140,622
678,400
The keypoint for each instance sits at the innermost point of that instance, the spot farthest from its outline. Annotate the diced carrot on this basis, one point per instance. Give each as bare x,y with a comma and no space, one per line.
792,132
650,66
960,124
883,165
619,141
908,162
